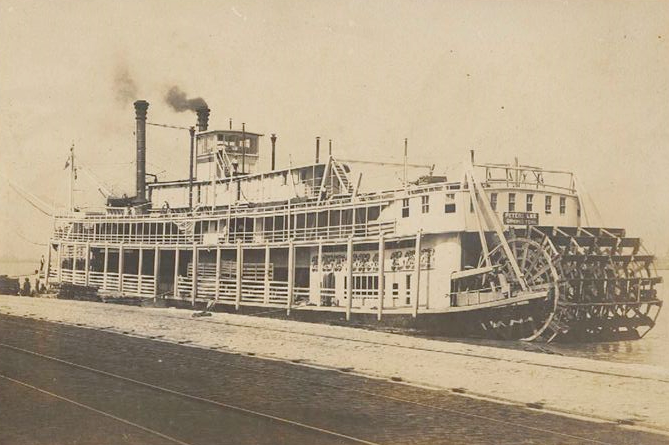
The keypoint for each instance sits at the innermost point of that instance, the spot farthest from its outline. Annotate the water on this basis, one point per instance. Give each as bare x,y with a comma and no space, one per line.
18,269
653,349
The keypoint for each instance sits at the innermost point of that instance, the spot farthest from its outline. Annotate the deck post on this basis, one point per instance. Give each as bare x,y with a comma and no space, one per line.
87,263
140,261
291,275
193,292
319,273
417,273
74,263
176,273
47,268
266,293
156,269
217,283
381,289
120,267
349,279
240,260
105,267
59,258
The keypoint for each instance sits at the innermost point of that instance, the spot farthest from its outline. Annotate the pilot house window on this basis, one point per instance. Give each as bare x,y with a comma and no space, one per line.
548,204
563,205
493,201
528,203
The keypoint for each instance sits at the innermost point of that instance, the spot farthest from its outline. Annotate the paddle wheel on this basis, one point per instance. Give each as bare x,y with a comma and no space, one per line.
600,283
607,283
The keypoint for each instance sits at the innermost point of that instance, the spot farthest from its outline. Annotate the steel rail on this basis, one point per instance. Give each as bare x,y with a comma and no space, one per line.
95,410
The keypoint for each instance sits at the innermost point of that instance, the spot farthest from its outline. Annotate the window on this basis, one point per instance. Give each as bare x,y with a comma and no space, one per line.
548,204
563,205
425,203
396,289
528,202
512,202
449,207
493,201
405,208
408,290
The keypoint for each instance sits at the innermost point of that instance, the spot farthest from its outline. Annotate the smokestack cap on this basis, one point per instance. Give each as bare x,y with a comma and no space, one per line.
140,109
203,118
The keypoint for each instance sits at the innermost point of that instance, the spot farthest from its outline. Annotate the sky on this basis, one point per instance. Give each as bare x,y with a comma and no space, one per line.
575,85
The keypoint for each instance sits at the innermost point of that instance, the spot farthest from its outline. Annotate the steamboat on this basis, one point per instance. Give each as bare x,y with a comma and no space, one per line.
504,251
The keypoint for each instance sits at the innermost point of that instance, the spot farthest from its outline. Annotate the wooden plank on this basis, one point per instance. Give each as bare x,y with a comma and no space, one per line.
156,269
291,275
266,277
349,277
87,264
175,290
381,272
419,236
240,260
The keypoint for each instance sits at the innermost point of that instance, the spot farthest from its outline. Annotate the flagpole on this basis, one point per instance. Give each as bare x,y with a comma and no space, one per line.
71,197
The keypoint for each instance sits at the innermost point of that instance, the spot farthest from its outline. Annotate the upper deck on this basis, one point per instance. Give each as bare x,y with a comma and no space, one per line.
311,203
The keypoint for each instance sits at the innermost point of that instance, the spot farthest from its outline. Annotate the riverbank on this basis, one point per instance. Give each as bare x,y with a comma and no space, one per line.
616,392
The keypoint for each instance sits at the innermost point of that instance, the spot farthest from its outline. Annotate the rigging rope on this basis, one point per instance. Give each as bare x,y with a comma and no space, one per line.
30,197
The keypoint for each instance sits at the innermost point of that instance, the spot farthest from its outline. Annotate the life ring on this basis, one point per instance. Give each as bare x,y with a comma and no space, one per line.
165,208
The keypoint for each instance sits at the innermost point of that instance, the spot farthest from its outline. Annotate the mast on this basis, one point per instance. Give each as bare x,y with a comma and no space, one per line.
72,178
405,162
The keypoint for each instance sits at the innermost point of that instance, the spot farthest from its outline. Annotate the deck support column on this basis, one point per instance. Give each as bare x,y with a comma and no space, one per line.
217,283
120,267
349,275
87,263
291,275
176,273
59,259
319,273
47,268
105,267
382,287
417,273
240,261
266,293
140,260
156,269
194,262
74,264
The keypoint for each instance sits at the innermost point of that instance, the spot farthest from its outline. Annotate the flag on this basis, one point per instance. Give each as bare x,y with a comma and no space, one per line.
67,163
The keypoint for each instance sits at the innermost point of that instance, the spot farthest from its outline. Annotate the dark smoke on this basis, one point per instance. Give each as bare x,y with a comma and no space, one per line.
125,88
178,100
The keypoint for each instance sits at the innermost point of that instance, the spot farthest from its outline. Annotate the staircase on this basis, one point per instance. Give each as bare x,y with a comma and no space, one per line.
341,175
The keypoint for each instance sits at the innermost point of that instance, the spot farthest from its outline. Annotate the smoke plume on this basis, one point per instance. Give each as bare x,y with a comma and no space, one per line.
125,88
178,100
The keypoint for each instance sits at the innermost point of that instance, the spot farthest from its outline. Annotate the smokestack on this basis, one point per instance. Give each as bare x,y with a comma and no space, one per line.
140,116
202,118
318,148
273,139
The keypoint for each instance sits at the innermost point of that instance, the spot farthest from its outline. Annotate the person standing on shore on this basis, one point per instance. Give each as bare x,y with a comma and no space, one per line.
37,288
26,287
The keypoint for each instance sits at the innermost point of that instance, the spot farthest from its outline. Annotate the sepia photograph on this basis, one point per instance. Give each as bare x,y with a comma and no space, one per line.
381,222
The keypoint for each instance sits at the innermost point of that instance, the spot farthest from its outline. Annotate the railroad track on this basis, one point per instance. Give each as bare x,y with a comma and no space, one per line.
111,346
